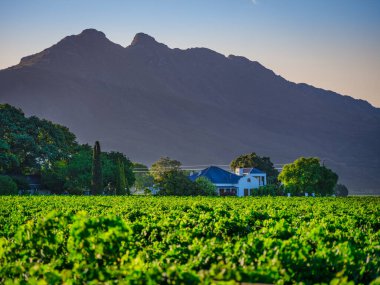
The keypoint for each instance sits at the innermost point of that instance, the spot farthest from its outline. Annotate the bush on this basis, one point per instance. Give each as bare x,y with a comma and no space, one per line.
176,183
21,182
7,186
206,187
269,190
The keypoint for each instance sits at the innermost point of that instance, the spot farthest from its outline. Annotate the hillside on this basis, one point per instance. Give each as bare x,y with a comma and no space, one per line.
200,107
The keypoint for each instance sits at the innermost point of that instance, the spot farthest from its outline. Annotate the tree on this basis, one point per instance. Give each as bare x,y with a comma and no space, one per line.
36,146
8,161
252,160
55,177
341,190
72,175
327,181
97,180
121,184
162,166
7,186
110,168
306,175
175,183
78,171
29,144
143,178
205,186
21,182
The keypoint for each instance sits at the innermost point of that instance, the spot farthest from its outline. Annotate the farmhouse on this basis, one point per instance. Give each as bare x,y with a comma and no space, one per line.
241,183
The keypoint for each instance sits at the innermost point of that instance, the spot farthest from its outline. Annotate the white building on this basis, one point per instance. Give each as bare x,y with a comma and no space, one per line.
241,183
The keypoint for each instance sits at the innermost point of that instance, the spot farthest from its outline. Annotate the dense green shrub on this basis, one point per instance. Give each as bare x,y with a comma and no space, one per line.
269,190
176,183
21,182
205,186
7,186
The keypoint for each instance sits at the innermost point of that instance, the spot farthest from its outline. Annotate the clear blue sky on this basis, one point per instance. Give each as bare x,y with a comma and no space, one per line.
332,44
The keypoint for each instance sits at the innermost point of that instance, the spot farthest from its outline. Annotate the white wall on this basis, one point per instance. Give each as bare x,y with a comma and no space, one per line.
253,184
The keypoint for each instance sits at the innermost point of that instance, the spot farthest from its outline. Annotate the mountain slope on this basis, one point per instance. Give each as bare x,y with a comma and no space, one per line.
195,105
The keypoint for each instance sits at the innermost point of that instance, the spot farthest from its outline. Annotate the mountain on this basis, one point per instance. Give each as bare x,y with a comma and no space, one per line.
195,105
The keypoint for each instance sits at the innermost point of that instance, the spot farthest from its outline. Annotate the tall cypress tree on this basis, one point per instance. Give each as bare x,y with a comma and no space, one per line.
97,180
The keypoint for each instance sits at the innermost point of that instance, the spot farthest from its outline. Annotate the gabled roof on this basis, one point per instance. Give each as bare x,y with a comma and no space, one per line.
256,171
217,175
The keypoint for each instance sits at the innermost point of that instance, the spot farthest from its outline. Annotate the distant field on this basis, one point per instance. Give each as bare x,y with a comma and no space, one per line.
170,240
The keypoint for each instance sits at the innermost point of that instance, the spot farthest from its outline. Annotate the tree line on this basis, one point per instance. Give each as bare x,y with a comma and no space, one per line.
33,146
303,176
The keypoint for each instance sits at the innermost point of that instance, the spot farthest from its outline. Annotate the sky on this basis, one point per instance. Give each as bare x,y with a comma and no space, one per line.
331,44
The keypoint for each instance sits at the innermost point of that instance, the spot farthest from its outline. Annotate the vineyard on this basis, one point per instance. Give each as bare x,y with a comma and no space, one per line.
190,240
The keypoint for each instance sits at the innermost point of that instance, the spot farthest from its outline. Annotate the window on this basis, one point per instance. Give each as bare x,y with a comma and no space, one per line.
249,180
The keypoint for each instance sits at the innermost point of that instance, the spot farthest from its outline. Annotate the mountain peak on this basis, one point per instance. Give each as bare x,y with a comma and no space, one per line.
142,39
93,33
89,43
88,37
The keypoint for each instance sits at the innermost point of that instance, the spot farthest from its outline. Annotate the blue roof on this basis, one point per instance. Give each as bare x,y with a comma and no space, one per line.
217,175
256,171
